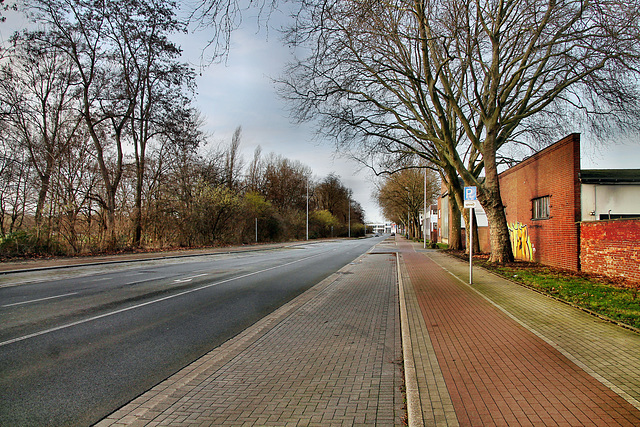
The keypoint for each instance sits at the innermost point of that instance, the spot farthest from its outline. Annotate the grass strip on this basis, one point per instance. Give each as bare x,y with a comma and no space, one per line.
615,299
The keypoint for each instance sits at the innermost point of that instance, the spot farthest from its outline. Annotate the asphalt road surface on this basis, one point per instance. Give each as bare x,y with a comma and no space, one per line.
76,344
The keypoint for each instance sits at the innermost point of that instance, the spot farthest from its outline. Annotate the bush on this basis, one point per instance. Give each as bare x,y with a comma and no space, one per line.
323,224
26,243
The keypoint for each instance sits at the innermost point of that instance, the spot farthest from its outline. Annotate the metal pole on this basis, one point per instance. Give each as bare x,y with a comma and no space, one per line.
408,214
349,216
424,215
307,208
256,230
471,247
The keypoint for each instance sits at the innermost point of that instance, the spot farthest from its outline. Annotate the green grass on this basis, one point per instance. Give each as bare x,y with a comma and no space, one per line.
615,300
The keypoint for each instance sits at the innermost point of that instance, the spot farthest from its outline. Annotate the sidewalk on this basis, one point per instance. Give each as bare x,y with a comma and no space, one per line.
493,353
496,353
330,357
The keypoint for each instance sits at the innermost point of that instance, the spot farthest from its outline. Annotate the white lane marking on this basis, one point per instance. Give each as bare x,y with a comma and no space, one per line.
188,279
102,279
39,299
122,310
135,282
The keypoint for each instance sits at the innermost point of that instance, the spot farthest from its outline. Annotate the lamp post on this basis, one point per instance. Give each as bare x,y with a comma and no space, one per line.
408,212
349,199
424,215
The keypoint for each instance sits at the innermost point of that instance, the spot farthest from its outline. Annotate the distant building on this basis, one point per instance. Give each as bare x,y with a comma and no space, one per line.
431,223
380,228
610,194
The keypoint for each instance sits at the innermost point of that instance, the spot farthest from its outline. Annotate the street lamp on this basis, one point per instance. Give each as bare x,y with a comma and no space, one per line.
349,199
424,215
307,208
408,211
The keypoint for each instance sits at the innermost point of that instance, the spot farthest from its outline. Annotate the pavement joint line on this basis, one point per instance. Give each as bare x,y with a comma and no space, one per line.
633,401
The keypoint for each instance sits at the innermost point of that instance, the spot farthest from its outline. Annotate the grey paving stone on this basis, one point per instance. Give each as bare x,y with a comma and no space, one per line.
328,358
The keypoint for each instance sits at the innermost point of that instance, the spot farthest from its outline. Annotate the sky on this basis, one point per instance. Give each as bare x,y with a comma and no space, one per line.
241,92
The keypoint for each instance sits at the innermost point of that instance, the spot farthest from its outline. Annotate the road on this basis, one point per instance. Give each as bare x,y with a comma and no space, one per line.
78,343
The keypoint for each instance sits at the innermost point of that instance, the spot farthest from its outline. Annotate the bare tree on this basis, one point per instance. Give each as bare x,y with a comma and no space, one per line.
285,183
75,177
401,196
128,76
151,76
15,185
221,17
80,30
332,195
175,169
255,172
465,79
40,85
233,163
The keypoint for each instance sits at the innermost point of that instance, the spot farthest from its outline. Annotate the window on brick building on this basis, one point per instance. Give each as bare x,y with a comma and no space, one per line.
541,207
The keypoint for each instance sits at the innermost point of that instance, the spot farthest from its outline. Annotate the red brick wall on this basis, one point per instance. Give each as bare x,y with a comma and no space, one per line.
551,172
611,248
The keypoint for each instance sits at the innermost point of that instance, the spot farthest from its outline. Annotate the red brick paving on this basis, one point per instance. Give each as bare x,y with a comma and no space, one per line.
498,372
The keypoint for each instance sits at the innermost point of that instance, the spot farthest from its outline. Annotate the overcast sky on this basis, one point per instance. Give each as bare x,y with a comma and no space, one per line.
241,92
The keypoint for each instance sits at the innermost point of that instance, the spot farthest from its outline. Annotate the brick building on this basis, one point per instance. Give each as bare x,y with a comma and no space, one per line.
541,195
549,201
611,248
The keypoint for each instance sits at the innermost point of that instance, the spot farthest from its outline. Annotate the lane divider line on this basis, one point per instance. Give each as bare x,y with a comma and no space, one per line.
188,279
123,310
39,299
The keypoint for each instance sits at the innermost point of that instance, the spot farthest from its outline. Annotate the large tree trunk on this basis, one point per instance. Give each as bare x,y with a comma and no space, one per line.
42,196
476,236
455,225
499,233
489,197
137,214
450,177
111,238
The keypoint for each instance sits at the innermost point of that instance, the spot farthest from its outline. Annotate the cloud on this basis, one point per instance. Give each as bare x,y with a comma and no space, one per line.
241,92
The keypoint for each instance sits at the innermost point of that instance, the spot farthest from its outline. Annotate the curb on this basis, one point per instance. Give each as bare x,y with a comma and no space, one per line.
414,407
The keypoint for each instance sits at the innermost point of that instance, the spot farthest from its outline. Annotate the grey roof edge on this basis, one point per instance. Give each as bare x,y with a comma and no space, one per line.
610,176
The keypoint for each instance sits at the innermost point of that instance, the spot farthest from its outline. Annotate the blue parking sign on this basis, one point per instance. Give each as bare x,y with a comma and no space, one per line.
470,193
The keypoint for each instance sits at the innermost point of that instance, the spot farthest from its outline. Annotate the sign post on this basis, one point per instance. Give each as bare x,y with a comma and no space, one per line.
470,203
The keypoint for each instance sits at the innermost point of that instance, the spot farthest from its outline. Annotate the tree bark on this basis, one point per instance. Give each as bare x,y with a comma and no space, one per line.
137,214
450,177
490,199
455,225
